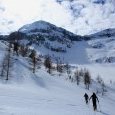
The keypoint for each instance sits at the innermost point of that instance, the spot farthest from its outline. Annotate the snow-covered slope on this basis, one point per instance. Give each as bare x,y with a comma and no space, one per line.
31,94
42,93
48,39
102,46
60,43
98,52
57,42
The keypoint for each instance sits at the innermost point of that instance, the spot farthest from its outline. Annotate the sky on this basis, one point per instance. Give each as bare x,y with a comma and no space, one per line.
79,16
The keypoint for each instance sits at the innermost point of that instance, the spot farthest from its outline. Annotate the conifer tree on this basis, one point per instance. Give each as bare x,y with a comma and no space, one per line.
87,79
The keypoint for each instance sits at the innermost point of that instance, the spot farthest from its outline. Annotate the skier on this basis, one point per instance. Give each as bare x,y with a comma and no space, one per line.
86,98
94,100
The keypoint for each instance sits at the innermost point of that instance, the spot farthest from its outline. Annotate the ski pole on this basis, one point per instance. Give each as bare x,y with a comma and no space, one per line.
99,107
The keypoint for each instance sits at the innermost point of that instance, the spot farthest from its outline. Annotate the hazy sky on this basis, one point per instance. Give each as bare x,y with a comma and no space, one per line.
81,16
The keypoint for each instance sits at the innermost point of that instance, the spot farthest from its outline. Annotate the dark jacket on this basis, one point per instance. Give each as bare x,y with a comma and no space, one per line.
94,98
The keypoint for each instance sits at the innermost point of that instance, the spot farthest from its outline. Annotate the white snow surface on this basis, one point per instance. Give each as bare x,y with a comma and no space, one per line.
37,25
42,94
85,54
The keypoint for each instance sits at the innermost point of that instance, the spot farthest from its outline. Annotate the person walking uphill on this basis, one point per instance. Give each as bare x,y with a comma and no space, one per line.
86,98
94,100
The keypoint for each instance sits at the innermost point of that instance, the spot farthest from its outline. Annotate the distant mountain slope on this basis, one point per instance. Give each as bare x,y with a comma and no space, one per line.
104,33
47,30
102,46
47,39
57,42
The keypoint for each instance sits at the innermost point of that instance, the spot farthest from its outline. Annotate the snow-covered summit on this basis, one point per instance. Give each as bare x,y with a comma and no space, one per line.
47,30
36,25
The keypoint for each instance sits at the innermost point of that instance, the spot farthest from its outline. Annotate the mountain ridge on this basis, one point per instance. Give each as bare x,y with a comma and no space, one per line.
43,25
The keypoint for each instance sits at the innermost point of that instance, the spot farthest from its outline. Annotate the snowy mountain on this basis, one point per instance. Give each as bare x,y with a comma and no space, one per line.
98,47
48,39
102,46
48,30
